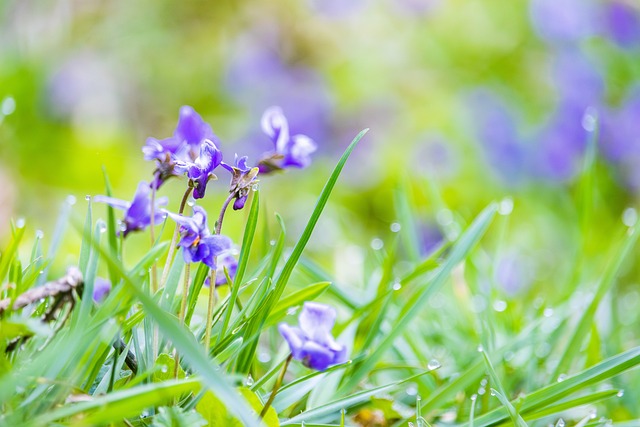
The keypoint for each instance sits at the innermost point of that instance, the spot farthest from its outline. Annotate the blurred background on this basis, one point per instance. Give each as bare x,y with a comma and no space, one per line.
468,101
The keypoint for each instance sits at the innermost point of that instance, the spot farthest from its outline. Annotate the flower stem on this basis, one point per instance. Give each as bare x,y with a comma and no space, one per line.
276,387
212,300
225,205
182,313
152,219
172,247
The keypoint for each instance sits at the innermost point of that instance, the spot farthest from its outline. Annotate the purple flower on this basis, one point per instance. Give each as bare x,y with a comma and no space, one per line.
192,149
563,21
137,215
312,343
289,151
101,288
242,179
622,23
201,169
197,242
228,261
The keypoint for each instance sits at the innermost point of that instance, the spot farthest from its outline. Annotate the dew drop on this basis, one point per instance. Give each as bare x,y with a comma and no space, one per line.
433,364
499,306
620,393
87,198
482,391
411,424
474,397
418,398
397,286
493,392
562,377
593,414
590,119
71,199
395,227
412,390
191,203
8,106
480,348
164,369
20,222
484,382
292,310
249,381
39,234
377,244
630,217
548,312
41,272
272,242
255,187
506,206
264,357
508,356
560,423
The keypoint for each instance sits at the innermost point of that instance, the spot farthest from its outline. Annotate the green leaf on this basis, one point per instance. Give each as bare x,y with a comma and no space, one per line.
309,293
175,416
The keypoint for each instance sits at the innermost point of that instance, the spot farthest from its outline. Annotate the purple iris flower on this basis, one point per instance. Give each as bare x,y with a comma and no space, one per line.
137,215
242,179
201,169
197,242
312,343
101,288
289,151
193,148
622,23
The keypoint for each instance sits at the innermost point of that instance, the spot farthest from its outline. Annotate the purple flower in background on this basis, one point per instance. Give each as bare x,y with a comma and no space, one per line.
201,169
289,151
576,79
184,148
242,180
622,23
563,21
197,242
101,288
312,342
137,215
228,261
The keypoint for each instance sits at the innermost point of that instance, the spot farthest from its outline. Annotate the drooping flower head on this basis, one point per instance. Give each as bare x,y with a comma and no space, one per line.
243,178
289,151
312,342
101,289
193,144
198,244
137,213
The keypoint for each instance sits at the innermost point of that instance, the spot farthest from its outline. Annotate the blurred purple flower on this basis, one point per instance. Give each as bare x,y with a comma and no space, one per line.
337,8
198,244
576,79
562,21
559,144
289,151
622,23
312,342
430,237
242,180
228,261
193,148
513,273
495,128
137,215
101,288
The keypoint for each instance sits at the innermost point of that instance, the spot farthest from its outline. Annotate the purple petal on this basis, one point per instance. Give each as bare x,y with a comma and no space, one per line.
114,203
622,22
316,320
191,128
275,125
294,337
299,151
101,288
316,356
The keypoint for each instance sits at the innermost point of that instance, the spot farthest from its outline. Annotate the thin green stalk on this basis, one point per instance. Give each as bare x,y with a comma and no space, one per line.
181,314
172,246
225,205
212,299
276,386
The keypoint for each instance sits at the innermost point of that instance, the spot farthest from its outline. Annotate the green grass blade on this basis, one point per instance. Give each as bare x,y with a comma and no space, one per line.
463,246
247,239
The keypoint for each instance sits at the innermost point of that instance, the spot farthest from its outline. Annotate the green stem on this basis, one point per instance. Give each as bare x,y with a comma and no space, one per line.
181,314
212,299
174,239
225,205
276,387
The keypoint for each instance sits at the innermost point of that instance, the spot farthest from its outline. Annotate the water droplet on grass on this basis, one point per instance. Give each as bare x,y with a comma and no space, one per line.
620,393
377,244
8,106
71,200
499,306
474,397
548,312
433,364
412,390
249,381
39,234
87,198
20,222
630,217
164,369
560,423
562,377
506,206
444,217
480,348
395,227
493,392
590,119
397,286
